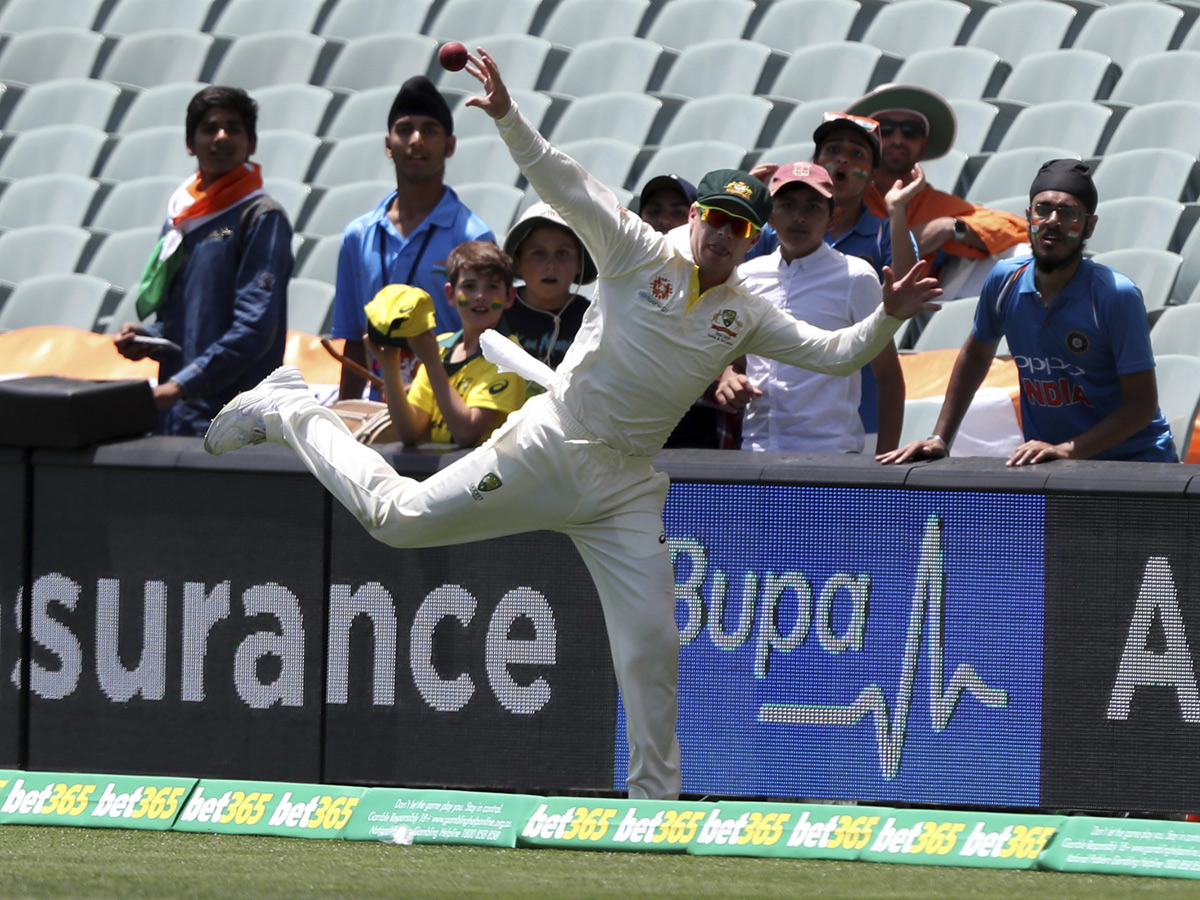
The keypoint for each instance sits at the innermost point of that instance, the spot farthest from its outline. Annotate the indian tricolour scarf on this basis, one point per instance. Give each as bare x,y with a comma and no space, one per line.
190,207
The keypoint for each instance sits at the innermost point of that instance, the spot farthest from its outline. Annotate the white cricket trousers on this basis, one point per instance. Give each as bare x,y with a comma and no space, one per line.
540,470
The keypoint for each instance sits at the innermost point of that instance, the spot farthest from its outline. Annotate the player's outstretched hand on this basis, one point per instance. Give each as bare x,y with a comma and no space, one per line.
929,448
496,101
734,391
905,297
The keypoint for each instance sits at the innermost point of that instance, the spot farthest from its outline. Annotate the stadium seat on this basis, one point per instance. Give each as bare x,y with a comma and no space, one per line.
789,24
572,22
1149,171
161,56
1126,31
455,18
843,68
721,114
239,18
1071,74
1188,280
1135,222
945,172
354,159
284,153
71,149
359,18
1178,378
40,250
1158,77
298,107
65,101
1169,123
134,203
804,118
364,112
691,160
954,72
293,195
621,115
470,122
609,160
745,67
484,158
1078,124
609,64
388,59
949,326
977,119
335,208
1015,204
310,303
152,151
1010,172
260,60
121,257
496,204
26,15
158,106
44,54
914,25
525,59
1177,330
782,152
321,261
74,300
47,200
132,16
1016,30
684,23
1153,271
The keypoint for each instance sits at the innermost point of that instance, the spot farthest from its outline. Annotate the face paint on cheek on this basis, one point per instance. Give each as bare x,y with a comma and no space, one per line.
1035,224
497,303
1075,232
860,174
461,299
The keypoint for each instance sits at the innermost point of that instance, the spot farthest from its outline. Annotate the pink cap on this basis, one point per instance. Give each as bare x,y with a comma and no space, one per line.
804,172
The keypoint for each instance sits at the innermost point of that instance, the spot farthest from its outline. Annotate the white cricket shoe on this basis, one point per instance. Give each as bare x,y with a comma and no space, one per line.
242,420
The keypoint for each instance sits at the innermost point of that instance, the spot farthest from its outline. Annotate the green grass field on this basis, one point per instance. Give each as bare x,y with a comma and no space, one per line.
78,864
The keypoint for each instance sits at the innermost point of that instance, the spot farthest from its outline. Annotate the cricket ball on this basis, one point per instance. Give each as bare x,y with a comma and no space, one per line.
452,56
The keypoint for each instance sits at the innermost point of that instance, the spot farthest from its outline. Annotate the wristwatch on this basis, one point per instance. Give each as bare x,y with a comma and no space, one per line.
960,230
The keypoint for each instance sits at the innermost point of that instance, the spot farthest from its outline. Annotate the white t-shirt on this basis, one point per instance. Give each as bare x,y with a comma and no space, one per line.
801,410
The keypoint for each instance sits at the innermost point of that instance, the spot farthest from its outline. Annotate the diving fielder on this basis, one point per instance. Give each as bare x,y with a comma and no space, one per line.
669,314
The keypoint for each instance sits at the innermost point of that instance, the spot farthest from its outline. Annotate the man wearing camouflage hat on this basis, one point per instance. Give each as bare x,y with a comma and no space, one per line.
669,314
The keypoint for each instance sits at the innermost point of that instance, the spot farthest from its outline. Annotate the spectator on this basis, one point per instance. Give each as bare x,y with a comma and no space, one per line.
670,313
457,396
917,124
796,409
550,259
217,281
407,237
1079,336
665,202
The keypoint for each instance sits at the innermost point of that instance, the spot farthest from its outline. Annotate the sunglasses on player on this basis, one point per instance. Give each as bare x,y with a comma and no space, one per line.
718,218
910,130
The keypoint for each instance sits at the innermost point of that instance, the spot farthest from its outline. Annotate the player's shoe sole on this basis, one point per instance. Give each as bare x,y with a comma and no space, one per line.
242,421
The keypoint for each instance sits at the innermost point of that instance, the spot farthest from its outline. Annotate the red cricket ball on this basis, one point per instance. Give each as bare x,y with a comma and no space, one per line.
452,56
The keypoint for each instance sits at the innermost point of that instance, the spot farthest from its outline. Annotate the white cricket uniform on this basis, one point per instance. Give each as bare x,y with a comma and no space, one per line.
802,410
577,459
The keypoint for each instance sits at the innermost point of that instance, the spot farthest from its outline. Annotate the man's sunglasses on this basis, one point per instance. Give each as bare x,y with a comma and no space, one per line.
910,130
718,218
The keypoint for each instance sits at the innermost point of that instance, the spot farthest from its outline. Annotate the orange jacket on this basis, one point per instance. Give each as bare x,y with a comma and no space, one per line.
997,229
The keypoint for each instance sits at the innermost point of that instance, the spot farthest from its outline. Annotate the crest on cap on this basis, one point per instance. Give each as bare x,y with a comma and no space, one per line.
740,188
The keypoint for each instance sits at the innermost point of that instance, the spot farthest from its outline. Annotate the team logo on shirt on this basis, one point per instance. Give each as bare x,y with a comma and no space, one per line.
489,482
1077,342
726,325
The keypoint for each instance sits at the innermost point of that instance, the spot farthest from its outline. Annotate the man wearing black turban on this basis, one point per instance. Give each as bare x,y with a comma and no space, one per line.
1078,334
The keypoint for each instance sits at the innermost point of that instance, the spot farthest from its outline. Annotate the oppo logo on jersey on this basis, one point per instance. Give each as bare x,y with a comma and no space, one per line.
1043,365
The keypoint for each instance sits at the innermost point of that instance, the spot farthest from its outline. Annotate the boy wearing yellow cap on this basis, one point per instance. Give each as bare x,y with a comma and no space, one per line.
457,396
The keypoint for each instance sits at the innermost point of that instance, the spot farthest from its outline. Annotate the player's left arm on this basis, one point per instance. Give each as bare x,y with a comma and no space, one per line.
1139,405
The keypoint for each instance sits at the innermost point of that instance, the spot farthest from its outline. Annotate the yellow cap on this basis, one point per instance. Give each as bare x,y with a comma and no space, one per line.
397,312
